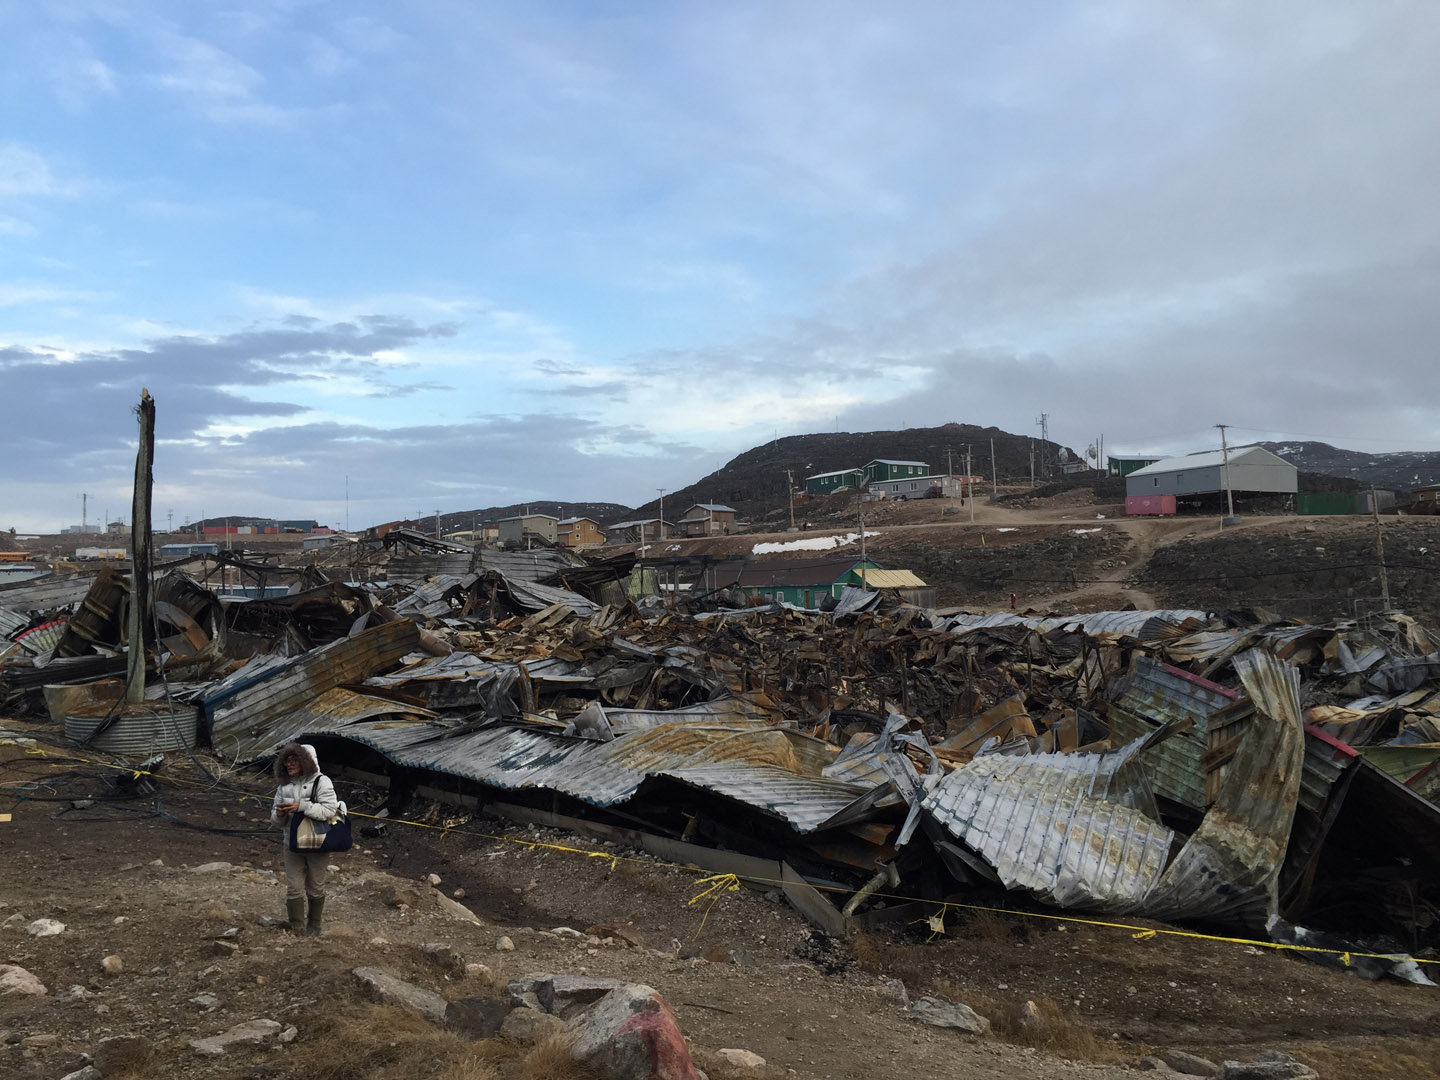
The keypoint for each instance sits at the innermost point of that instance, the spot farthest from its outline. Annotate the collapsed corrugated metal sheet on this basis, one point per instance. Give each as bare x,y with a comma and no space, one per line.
1154,694
430,599
412,569
1068,827
537,565
332,711
10,621
1102,625
533,596
44,593
805,803
1061,825
248,716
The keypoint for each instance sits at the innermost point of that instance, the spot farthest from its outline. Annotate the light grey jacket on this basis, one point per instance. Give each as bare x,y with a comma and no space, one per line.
323,807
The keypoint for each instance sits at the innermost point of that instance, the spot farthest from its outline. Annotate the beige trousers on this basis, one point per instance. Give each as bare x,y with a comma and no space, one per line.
305,873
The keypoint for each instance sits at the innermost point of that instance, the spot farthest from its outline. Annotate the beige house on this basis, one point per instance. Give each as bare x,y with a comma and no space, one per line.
578,532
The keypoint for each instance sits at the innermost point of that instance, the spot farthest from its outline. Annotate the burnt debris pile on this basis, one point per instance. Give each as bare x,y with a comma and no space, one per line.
1223,769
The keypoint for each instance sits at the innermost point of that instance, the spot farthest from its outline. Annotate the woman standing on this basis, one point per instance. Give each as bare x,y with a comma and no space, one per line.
303,789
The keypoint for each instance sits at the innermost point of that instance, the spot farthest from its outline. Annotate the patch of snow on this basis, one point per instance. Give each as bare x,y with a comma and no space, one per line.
1008,529
1082,532
810,543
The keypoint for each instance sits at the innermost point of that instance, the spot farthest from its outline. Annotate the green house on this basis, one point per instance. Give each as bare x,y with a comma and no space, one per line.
840,480
1125,464
888,469
802,581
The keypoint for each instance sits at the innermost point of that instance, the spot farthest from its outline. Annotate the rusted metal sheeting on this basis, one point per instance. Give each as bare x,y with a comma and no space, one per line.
1230,866
1154,694
805,803
429,598
331,712
252,715
413,569
738,712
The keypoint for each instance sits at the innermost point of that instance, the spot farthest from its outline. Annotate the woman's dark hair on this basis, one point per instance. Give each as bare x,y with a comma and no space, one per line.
293,752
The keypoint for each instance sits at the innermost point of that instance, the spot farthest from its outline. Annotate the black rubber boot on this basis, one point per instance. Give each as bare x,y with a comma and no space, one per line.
295,911
317,909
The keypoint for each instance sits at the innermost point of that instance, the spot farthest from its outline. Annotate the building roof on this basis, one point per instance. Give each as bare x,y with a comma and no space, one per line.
892,579
575,520
634,523
798,572
1209,459
833,472
714,508
893,461
528,517
1133,457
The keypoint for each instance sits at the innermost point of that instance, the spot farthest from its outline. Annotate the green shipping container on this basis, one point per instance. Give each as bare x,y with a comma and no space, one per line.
1327,502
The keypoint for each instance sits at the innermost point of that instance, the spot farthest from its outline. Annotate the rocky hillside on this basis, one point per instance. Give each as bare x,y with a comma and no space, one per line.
1401,471
754,482
602,512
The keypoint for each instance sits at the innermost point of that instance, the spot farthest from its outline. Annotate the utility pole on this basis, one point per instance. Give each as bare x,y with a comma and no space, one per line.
1380,550
862,549
949,468
170,520
994,476
1032,462
790,495
347,502
970,479
84,521
437,523
1225,457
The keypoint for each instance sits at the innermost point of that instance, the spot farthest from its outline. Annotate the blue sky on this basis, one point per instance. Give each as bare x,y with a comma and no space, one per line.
469,254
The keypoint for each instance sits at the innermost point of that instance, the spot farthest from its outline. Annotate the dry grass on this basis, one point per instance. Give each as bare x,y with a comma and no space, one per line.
379,1042
988,926
1056,1031
550,1060
220,913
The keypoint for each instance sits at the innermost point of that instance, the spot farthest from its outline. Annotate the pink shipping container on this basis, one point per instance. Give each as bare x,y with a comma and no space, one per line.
1149,505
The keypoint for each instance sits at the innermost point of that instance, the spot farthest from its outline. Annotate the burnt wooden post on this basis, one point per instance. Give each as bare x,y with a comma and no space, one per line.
140,552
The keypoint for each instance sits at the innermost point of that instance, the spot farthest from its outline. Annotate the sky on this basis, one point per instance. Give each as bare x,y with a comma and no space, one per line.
450,254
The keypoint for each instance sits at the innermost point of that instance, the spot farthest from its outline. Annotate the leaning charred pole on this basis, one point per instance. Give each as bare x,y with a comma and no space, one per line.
140,552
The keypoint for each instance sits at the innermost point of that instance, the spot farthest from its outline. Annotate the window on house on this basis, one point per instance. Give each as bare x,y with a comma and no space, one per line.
1155,481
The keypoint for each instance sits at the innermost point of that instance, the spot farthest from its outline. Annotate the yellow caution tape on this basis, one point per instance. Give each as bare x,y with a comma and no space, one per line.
722,883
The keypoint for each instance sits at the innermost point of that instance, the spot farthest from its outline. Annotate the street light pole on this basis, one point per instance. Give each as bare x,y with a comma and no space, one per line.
790,496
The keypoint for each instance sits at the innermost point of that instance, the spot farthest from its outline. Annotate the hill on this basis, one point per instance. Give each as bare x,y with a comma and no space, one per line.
754,482
603,512
1400,471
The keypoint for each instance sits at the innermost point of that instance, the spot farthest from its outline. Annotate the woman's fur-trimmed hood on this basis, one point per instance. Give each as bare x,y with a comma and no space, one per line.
301,752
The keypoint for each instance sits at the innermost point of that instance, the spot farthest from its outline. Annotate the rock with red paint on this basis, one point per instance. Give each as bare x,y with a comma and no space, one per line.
631,1034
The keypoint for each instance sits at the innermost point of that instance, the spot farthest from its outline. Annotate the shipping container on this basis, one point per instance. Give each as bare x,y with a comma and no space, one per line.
1326,502
1149,505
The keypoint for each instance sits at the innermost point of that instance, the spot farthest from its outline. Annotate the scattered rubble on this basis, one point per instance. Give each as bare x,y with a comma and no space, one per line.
1232,768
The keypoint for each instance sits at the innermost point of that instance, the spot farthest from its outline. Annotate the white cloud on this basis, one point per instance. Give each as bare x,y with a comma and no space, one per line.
25,173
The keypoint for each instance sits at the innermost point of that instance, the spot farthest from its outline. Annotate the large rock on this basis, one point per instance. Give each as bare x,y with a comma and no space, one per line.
560,994
1273,1069
455,909
247,1034
45,928
121,1053
444,958
476,1017
742,1059
392,991
16,980
631,1034
1189,1064
937,1012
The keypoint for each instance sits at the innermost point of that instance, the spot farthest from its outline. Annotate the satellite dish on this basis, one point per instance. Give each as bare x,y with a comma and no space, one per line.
1063,455
1091,452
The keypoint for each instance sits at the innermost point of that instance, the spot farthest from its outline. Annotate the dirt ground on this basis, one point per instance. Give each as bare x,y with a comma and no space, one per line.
745,971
